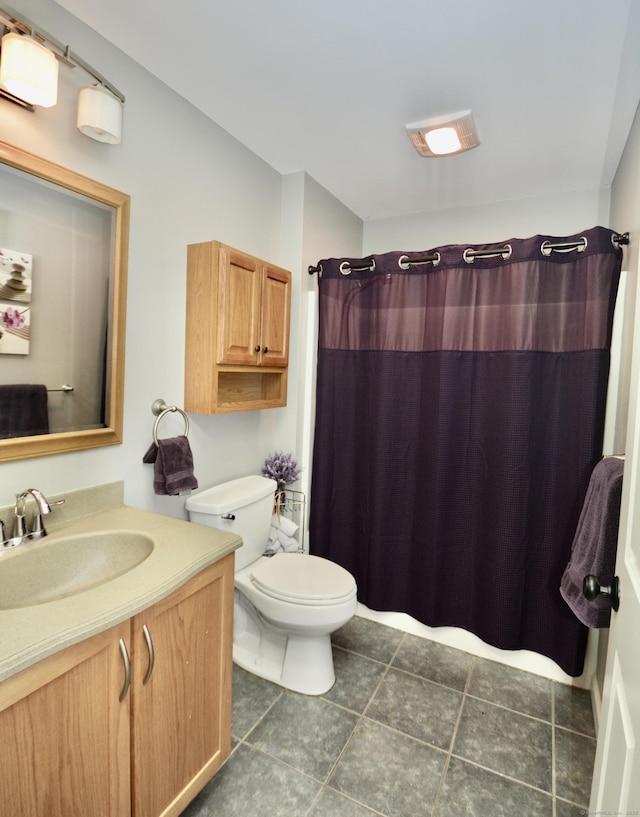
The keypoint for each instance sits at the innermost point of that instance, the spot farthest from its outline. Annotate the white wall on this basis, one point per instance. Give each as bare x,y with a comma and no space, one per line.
326,228
189,181
558,215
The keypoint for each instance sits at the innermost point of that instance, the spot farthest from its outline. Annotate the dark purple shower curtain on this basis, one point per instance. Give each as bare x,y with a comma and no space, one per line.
460,412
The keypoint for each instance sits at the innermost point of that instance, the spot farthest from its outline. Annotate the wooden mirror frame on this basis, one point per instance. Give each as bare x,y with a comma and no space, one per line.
17,448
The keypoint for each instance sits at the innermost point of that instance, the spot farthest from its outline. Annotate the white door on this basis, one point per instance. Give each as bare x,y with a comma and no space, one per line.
616,780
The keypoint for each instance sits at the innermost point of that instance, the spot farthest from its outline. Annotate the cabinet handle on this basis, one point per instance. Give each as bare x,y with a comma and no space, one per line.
265,350
152,654
127,671
256,348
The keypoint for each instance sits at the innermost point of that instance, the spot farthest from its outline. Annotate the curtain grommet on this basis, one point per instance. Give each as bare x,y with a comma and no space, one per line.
547,248
405,263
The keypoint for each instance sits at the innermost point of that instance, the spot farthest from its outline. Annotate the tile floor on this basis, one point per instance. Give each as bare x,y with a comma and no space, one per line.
410,729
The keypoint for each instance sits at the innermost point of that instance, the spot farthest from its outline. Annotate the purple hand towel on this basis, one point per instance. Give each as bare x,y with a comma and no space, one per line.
173,466
595,543
23,410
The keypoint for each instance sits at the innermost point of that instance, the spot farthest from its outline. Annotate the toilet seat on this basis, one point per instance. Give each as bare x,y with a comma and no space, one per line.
303,579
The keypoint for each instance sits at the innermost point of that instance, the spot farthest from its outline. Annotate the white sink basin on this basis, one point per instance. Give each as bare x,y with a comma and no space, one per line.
64,567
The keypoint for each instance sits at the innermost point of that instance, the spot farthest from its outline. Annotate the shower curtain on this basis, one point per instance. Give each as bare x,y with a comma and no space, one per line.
460,411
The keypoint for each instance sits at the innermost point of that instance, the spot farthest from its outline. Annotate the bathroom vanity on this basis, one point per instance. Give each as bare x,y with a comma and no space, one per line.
116,700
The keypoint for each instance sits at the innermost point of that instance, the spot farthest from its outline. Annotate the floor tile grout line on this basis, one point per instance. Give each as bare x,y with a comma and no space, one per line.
282,762
322,784
382,677
576,732
502,775
361,717
359,654
454,735
547,721
259,720
370,657
397,731
315,802
351,799
429,680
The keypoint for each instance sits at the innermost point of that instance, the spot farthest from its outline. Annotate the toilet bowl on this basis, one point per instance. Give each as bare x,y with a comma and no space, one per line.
287,605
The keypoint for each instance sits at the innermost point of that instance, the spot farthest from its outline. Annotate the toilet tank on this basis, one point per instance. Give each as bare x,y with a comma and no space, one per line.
249,501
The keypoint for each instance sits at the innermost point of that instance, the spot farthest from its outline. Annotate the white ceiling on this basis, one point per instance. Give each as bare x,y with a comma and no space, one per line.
327,86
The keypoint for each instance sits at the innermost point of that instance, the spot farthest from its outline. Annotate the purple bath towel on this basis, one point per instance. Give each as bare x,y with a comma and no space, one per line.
595,543
173,466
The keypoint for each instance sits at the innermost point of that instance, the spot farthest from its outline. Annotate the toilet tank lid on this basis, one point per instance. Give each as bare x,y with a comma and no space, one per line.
231,495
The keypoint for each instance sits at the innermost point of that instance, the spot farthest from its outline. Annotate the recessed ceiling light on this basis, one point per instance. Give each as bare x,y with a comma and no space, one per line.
444,135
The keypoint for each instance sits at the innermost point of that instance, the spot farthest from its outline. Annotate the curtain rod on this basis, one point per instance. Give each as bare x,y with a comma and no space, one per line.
469,255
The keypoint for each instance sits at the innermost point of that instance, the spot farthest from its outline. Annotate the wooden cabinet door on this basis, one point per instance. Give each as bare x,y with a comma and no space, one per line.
182,714
276,305
65,735
239,281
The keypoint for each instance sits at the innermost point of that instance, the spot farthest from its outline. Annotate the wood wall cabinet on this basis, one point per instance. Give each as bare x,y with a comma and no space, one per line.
237,333
72,747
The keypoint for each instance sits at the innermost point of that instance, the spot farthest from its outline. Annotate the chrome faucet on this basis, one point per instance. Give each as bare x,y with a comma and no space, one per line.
20,532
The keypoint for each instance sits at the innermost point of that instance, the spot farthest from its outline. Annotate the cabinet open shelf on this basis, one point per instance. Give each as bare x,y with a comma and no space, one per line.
251,390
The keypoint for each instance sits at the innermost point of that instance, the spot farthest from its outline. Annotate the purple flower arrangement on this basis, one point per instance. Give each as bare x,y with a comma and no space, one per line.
282,468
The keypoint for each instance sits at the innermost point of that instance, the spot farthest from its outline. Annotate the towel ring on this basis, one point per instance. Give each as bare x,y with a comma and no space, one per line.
161,408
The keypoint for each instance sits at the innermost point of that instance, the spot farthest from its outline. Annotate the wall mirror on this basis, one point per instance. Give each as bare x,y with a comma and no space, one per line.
63,279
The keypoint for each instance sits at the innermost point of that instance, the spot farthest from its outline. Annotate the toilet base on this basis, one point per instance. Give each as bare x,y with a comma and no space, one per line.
291,670
300,663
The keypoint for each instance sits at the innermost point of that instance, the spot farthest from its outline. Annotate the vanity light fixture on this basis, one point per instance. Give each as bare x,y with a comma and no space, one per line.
29,60
28,70
99,114
444,135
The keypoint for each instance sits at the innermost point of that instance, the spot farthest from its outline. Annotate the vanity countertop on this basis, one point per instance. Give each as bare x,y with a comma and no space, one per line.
181,550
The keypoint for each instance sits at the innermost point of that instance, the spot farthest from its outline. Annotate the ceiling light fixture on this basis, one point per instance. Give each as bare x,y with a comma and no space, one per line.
444,135
29,60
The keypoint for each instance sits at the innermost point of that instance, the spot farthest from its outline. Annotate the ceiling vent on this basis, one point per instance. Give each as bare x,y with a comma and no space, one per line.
444,135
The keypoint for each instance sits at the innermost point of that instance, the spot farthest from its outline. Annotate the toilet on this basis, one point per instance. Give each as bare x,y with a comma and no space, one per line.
287,605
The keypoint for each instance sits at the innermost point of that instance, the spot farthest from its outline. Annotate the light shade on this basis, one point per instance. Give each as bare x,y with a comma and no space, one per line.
444,135
28,70
99,114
